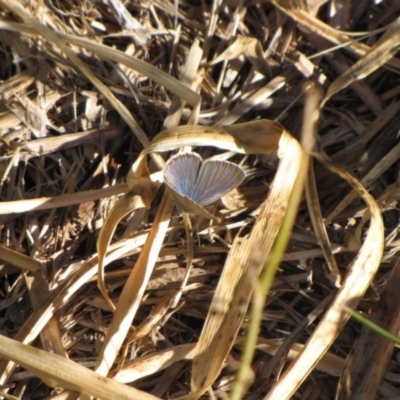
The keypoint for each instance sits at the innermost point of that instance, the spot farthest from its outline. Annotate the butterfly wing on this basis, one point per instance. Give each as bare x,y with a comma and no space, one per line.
181,171
215,179
180,175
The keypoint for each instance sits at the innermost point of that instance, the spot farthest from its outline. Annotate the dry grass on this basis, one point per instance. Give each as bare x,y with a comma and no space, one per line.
85,89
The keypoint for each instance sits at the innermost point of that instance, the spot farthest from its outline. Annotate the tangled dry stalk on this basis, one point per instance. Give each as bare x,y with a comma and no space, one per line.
95,96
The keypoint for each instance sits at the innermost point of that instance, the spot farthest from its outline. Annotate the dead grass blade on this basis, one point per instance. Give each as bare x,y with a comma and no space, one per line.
255,137
383,165
79,276
153,363
310,23
164,79
66,373
48,203
313,96
362,376
250,47
144,190
243,265
359,276
140,196
320,228
52,37
134,289
19,260
70,69
383,50
229,138
253,100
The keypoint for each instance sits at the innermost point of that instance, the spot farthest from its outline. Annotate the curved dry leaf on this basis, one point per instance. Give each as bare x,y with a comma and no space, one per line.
255,137
134,288
252,137
242,267
136,284
140,196
359,277
380,167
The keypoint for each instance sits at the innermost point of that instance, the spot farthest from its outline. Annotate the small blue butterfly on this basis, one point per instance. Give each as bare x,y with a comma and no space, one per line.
195,184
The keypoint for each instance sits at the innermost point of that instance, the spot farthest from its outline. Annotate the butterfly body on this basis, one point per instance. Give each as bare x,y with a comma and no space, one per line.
195,184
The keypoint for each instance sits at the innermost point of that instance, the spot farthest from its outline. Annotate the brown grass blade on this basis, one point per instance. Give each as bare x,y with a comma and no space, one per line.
153,363
144,68
256,137
320,228
50,35
70,70
370,356
80,275
140,196
136,284
19,260
383,165
359,276
244,263
312,24
48,203
384,49
66,373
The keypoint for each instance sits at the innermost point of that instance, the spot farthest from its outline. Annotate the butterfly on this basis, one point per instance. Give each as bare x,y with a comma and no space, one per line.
195,184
